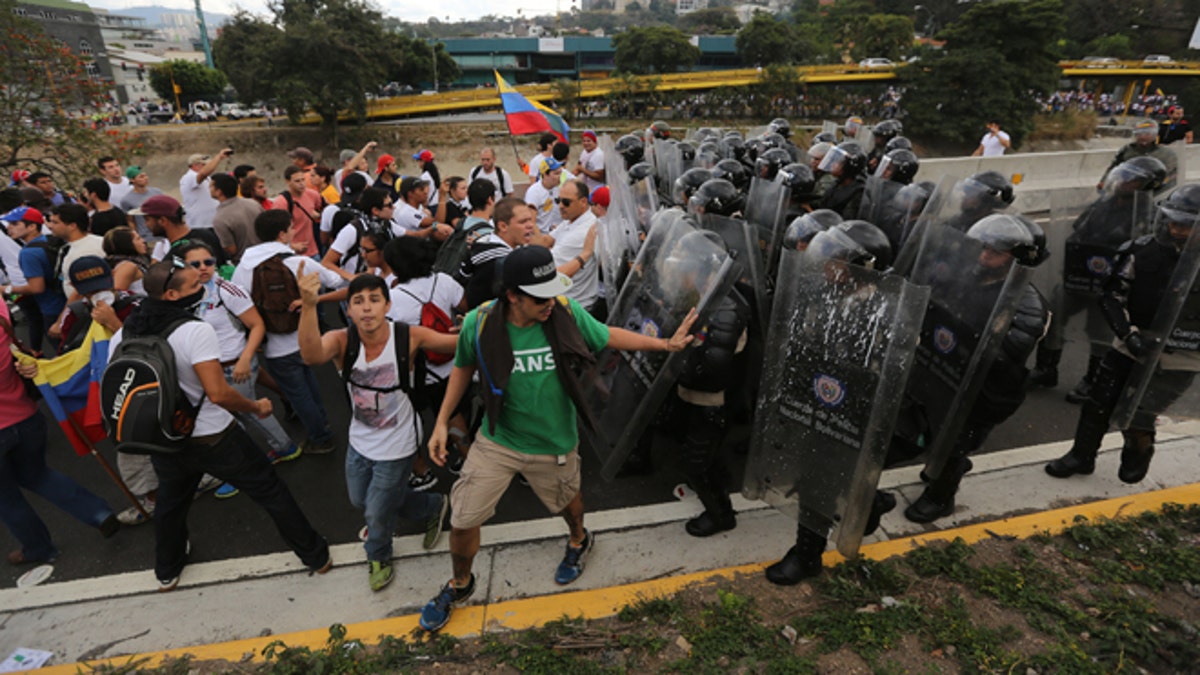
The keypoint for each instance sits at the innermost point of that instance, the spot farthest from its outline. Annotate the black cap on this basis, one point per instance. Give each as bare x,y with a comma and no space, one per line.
531,269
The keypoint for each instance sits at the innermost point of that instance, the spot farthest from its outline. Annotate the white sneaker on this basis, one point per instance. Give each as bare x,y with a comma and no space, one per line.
208,483
131,516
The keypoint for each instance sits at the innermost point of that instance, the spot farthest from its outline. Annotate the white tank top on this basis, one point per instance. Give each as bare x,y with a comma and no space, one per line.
383,426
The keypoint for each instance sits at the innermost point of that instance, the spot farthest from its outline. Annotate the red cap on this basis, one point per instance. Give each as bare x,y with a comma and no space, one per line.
19,175
600,196
424,156
384,162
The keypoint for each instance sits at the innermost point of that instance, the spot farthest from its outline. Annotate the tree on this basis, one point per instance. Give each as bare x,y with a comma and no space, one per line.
710,21
1111,45
654,49
196,81
764,41
883,35
566,97
415,63
997,58
245,53
46,100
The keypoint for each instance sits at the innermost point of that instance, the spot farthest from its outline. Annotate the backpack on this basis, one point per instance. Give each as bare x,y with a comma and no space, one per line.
142,405
413,385
433,318
499,176
364,225
291,204
83,320
273,290
53,246
456,249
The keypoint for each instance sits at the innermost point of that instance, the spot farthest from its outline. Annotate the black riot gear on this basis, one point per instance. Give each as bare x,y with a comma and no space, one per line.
1150,169
899,165
775,140
733,146
688,183
660,129
845,160
780,126
886,131
1180,208
990,188
1005,232
824,137
717,196
802,230
770,162
898,143
799,179
631,148
856,242
640,171
733,171
755,147
687,151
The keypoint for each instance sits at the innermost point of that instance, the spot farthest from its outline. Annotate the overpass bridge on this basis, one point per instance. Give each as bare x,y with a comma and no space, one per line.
485,98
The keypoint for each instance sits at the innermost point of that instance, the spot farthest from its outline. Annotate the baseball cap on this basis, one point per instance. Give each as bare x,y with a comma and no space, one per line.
588,133
531,269
133,172
19,175
424,156
600,196
90,274
383,163
301,152
549,164
158,206
25,213
346,155
197,158
410,183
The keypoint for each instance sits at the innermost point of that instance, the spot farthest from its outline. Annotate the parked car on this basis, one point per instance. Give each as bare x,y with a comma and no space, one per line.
237,112
1101,62
1158,59
876,63
201,111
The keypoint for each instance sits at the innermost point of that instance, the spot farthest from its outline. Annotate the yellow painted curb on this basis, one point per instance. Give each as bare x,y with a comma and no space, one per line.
602,602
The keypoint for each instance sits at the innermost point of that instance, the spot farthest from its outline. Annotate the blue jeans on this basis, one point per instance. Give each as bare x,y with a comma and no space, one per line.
23,465
269,427
299,384
237,460
380,489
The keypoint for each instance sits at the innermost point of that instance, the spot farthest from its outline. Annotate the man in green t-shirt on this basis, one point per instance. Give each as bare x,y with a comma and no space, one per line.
517,344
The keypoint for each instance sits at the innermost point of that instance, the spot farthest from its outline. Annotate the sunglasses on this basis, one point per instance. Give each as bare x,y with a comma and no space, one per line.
366,250
386,205
207,262
537,301
565,201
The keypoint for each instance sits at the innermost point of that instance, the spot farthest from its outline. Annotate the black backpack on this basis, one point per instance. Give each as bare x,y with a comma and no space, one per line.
52,245
413,387
83,320
363,225
143,407
499,176
456,249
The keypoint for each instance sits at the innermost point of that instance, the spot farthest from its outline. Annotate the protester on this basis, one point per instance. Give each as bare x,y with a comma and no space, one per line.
591,162
545,142
543,195
193,188
166,219
118,182
574,244
302,204
36,260
104,216
234,219
140,191
128,256
495,175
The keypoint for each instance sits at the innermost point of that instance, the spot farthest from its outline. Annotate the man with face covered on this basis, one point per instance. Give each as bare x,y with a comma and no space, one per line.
93,280
846,163
1131,298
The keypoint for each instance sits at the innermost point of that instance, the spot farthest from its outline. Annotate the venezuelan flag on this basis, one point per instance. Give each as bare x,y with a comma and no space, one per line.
70,384
528,117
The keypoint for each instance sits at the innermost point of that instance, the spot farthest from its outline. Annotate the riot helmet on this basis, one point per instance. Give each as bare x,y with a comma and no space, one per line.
913,197
660,129
817,152
639,172
824,137
899,166
801,230
688,182
717,196
886,130
631,148
846,161
986,191
856,242
769,163
898,143
780,126
687,151
775,140
733,147
799,179
852,126
1006,233
684,270
708,153
1145,132
733,171
1177,215
1139,173
705,134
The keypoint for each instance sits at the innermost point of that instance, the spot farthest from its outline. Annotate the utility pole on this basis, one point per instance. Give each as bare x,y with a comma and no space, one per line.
204,36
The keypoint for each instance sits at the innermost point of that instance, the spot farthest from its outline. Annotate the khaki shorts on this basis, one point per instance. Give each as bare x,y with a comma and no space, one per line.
489,470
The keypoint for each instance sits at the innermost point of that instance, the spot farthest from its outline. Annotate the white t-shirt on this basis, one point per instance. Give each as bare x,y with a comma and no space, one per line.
407,217
90,244
193,342
498,177
535,165
992,147
383,425
10,255
281,344
198,205
346,238
408,298
337,179
224,300
568,243
117,191
592,161
327,214
433,190
544,200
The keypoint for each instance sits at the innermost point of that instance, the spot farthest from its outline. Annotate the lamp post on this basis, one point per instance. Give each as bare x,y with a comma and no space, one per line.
929,25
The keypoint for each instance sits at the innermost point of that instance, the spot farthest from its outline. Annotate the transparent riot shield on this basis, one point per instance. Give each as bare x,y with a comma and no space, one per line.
766,210
954,204
1171,159
844,337
865,138
669,277
973,298
876,197
664,153
831,127
1174,335
741,239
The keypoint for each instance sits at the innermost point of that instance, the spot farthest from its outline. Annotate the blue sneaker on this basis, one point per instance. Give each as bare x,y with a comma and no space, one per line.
225,491
571,566
293,451
437,613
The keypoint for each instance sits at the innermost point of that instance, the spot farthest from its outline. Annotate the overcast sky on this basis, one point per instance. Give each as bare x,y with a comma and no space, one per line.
416,11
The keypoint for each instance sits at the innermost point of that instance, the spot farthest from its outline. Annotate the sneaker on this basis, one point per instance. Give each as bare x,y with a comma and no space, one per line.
422,482
165,585
455,465
292,452
131,516
380,574
571,566
437,612
110,526
433,527
208,483
225,491
317,449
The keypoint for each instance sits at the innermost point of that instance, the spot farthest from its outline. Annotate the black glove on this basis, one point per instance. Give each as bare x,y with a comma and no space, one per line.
1137,344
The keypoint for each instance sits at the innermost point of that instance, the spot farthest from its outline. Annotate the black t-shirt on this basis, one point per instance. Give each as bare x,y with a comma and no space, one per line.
1169,132
454,212
103,221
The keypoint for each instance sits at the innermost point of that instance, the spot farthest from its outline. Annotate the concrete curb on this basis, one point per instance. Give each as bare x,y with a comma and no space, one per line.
592,604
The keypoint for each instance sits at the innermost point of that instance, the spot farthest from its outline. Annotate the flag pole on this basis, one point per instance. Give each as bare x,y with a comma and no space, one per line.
107,467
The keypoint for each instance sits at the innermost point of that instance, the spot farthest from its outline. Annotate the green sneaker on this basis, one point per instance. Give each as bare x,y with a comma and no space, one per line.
381,574
433,527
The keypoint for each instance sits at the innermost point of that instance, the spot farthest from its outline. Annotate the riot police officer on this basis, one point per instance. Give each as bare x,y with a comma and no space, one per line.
802,229
846,163
882,133
716,196
631,148
1131,298
687,184
981,195
800,183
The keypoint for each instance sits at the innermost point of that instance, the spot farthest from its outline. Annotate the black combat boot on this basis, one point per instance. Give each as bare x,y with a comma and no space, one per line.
1075,463
718,515
937,501
1136,455
1083,390
883,503
802,561
1045,371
